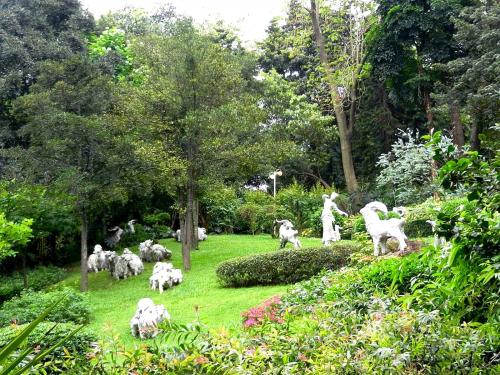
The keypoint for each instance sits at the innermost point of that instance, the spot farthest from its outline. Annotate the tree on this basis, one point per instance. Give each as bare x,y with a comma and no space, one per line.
474,81
322,48
32,32
73,146
411,38
51,215
202,115
13,235
294,118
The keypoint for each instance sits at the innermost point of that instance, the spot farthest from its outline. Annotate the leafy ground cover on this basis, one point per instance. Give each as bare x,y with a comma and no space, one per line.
200,296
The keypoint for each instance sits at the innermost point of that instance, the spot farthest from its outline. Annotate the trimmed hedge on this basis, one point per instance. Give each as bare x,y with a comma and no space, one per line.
284,266
79,343
29,305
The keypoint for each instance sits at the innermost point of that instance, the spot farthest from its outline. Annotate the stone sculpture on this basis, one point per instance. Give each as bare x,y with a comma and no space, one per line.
144,323
164,275
329,233
202,235
381,230
287,233
150,252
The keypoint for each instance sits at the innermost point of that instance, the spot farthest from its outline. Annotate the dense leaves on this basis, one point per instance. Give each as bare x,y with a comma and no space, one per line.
284,266
29,305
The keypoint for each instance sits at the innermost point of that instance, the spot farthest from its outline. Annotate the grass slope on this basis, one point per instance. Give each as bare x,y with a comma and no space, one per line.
114,301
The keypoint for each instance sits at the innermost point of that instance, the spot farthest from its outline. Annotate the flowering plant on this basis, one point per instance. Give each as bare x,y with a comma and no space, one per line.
269,310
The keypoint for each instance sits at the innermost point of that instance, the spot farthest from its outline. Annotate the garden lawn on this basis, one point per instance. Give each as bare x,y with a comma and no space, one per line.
114,301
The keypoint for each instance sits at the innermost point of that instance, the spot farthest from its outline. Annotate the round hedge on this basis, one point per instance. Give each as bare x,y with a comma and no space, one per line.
284,266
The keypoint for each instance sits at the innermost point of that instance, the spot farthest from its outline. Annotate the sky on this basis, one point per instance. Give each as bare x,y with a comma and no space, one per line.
251,17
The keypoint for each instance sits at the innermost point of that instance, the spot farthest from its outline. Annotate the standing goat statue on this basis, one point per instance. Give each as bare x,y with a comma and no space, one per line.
329,232
288,233
381,230
118,232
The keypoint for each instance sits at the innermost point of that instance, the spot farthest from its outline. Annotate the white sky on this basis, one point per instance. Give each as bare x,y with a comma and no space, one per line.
251,17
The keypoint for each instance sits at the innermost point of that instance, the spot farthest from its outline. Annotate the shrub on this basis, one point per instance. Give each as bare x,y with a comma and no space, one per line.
267,311
220,205
38,279
79,343
29,305
284,267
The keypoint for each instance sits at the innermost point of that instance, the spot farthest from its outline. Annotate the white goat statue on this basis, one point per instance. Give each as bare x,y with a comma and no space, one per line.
112,240
329,233
97,260
144,323
130,225
150,252
119,267
118,232
134,262
439,241
336,233
288,233
202,234
381,230
164,275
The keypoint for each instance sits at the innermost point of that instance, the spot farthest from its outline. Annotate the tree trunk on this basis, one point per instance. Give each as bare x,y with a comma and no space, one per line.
187,231
457,129
84,279
25,273
474,134
430,125
196,211
345,131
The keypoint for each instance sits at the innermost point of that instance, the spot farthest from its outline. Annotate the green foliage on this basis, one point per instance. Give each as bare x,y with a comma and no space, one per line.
54,226
257,212
221,205
17,357
293,117
29,305
406,170
112,49
79,343
332,316
38,279
283,267
156,218
13,235
54,30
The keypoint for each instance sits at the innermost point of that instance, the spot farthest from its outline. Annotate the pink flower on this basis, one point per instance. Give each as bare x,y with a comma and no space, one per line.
302,357
201,360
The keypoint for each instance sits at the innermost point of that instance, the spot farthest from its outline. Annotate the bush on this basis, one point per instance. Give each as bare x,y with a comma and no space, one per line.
79,343
284,267
220,205
38,279
29,305
267,311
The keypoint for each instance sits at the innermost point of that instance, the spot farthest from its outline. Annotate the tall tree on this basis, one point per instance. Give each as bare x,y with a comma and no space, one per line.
73,147
474,76
343,69
412,37
32,32
202,111
322,48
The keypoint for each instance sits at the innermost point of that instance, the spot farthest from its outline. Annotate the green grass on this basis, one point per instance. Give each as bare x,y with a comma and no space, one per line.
114,301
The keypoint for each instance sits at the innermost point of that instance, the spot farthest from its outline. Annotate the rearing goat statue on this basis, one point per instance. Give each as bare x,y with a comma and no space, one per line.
381,230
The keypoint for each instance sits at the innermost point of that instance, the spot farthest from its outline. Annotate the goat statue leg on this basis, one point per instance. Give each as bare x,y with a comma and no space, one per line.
376,242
